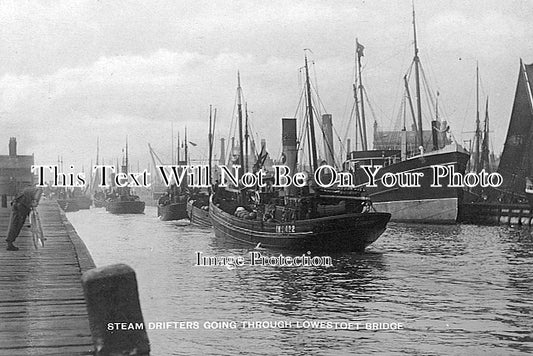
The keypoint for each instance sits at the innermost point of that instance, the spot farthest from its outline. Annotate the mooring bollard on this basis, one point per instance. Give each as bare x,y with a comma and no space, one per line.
115,315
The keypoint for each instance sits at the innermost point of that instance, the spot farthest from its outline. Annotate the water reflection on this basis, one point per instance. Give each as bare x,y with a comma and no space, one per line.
457,289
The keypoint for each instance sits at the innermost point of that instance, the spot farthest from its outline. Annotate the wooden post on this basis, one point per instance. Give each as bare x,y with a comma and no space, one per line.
4,201
115,315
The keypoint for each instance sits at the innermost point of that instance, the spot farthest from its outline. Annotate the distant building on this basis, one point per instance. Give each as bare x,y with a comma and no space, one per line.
15,170
391,140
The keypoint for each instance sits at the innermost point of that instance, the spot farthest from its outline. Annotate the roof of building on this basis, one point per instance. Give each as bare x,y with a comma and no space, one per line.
19,161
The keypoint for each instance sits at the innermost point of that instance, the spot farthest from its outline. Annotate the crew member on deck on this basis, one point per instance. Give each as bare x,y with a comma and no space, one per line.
20,209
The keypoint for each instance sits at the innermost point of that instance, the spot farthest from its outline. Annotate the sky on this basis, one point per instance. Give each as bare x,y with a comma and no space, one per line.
75,71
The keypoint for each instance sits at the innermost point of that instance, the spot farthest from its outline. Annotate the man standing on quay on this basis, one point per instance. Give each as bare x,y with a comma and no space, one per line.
20,209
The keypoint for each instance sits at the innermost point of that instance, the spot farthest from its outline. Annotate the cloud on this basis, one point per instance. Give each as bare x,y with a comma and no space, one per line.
135,95
72,71
485,35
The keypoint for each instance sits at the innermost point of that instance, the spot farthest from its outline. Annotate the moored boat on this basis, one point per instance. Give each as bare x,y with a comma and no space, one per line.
84,202
294,218
350,230
198,204
99,199
121,200
420,204
173,204
172,210
125,204
98,194
507,203
198,211
404,153
529,192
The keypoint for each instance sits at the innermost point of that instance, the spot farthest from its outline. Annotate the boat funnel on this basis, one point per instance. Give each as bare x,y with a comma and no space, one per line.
289,143
290,151
222,159
348,148
327,127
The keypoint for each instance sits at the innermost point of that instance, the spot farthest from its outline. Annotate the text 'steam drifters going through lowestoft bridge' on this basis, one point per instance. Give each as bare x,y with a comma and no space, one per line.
238,222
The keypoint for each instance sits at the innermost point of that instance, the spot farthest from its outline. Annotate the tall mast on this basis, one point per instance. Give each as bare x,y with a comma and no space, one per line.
178,149
92,179
485,144
210,140
211,143
97,150
186,148
246,138
410,106
172,142
239,111
417,78
360,49
311,118
437,107
477,155
356,100
435,126
127,162
96,178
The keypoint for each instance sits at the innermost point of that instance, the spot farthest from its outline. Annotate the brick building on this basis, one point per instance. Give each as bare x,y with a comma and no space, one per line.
15,170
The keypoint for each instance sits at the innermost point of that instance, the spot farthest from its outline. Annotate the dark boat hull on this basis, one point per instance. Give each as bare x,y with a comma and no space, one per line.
529,196
84,202
422,204
98,203
198,216
125,207
173,211
351,232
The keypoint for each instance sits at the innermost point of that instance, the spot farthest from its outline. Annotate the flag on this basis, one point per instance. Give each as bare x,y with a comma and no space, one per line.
283,157
359,48
261,158
193,144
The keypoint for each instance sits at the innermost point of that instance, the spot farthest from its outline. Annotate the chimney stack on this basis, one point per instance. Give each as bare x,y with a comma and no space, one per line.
12,147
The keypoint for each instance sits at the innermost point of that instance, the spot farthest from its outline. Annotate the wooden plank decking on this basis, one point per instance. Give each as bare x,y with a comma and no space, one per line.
42,309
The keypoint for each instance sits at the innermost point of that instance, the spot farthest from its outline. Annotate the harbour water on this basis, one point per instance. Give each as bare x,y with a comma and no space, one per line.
457,289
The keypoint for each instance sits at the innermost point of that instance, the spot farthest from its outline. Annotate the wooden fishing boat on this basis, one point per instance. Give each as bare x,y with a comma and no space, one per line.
176,210
172,205
97,192
198,204
294,218
83,201
99,199
125,204
516,162
508,203
121,200
349,230
198,211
